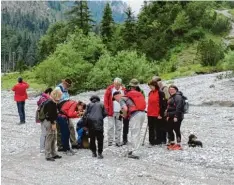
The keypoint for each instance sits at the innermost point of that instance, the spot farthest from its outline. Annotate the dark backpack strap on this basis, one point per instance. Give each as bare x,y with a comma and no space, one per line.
61,88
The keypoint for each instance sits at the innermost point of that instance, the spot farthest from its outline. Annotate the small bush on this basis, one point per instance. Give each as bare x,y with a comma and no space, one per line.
209,52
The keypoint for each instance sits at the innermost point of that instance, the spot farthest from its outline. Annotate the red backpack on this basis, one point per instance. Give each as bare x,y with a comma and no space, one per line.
138,99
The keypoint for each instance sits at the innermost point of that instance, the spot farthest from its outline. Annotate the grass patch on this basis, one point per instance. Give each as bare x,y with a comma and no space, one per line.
9,80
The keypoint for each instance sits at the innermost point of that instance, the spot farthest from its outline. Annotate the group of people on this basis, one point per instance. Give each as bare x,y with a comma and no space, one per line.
125,108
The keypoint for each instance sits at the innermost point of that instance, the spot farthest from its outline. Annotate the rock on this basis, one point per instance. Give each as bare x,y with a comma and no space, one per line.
212,86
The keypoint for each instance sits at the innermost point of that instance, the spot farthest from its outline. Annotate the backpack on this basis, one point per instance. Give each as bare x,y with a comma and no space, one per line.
40,111
185,104
138,99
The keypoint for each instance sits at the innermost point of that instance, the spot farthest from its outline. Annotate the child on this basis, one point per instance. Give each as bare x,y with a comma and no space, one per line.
81,130
94,115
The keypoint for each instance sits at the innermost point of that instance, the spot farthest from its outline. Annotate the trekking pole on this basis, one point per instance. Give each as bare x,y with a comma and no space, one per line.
143,142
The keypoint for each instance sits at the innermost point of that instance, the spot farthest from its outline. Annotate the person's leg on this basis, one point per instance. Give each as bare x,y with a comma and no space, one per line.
65,133
53,143
92,143
19,107
118,129
177,131
110,132
163,131
158,131
135,125
151,130
125,130
49,139
43,137
59,135
72,133
171,135
100,138
23,110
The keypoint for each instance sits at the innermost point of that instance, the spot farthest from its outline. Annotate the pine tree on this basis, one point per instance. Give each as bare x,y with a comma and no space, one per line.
129,34
107,24
80,16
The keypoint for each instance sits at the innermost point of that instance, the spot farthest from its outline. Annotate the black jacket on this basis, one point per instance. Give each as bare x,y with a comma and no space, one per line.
51,112
176,106
94,114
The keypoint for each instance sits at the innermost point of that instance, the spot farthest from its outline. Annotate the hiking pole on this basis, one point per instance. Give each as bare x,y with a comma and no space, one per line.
143,142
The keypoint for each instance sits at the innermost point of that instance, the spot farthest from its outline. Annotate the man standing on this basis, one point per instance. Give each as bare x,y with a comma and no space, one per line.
64,86
133,106
20,90
133,85
113,109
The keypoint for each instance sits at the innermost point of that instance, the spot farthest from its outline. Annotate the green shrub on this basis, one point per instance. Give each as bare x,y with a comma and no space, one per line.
126,65
209,52
221,24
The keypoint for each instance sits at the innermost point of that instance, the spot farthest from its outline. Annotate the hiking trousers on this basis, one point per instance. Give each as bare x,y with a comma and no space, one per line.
96,135
135,125
157,133
65,133
50,142
43,137
72,122
21,110
114,128
125,129
174,126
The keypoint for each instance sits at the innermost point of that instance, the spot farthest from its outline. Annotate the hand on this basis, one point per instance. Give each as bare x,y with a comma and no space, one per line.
175,119
85,128
53,126
167,118
159,117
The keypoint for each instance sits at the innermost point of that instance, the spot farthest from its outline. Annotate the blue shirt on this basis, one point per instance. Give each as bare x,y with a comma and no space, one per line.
65,95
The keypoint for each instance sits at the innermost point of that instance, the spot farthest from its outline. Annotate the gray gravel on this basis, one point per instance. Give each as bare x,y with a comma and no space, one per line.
213,164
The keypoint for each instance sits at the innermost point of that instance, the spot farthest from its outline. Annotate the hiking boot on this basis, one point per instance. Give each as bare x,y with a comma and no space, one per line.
177,147
133,156
124,142
100,156
20,123
57,157
61,149
70,152
94,154
75,147
171,146
50,159
118,145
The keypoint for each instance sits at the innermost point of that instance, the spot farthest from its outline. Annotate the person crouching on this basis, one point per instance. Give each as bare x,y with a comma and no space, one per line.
94,115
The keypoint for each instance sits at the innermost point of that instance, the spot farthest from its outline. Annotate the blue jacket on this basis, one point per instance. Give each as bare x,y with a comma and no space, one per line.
65,95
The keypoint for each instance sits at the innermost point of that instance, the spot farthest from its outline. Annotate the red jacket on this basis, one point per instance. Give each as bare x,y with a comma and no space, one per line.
20,91
69,108
108,103
153,104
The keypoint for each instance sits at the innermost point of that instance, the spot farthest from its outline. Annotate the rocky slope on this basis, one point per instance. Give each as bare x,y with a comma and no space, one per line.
211,118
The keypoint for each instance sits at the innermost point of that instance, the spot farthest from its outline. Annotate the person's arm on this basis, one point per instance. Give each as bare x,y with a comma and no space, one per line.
106,99
124,107
26,84
163,104
13,88
179,106
104,112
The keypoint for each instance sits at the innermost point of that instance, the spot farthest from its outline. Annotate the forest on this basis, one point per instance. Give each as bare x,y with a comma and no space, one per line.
170,39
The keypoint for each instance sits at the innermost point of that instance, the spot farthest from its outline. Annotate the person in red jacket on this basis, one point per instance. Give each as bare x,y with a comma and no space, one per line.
67,109
155,113
113,110
20,90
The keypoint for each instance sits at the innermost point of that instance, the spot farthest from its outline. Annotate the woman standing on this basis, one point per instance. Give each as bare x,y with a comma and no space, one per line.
175,116
44,97
155,113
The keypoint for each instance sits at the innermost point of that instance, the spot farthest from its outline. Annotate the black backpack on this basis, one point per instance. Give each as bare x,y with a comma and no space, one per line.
185,104
40,111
